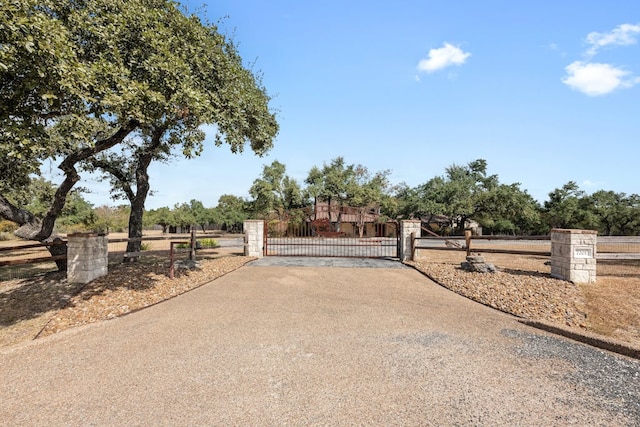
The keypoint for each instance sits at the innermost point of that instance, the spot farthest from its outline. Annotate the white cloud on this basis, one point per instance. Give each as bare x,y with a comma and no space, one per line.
554,47
596,79
622,35
443,57
589,183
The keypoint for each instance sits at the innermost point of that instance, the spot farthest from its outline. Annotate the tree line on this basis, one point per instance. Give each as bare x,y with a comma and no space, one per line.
446,203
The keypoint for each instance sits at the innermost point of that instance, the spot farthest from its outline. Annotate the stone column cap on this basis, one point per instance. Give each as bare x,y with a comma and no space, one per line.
87,234
573,231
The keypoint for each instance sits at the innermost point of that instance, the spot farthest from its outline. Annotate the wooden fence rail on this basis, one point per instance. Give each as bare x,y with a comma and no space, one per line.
613,247
32,245
32,260
427,243
41,259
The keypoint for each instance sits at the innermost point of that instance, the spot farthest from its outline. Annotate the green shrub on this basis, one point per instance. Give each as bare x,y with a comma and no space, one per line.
200,244
73,228
208,243
145,246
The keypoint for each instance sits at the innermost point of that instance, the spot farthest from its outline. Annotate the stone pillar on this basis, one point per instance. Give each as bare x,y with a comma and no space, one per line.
254,238
573,255
87,256
407,227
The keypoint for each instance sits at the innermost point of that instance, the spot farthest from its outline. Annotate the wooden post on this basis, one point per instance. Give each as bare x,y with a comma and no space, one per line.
413,246
171,267
192,253
467,239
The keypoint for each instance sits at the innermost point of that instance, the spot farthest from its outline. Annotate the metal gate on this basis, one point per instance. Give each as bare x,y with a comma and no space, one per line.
286,238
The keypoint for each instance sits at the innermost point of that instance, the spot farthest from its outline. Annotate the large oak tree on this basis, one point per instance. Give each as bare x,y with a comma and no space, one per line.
109,72
467,193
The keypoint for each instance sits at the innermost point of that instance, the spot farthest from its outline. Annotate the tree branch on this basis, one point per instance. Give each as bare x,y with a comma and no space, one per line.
12,213
71,177
117,173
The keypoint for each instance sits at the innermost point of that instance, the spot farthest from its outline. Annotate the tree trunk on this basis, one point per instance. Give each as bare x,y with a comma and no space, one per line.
59,247
361,224
135,229
145,156
137,210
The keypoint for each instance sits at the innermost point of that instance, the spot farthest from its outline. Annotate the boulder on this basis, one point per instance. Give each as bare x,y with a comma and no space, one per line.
477,264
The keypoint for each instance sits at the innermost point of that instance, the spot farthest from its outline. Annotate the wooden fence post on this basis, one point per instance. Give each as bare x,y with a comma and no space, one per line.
413,246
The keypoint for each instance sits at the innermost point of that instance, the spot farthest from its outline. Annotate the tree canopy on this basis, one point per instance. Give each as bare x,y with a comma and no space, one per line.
338,184
275,192
230,212
467,193
82,77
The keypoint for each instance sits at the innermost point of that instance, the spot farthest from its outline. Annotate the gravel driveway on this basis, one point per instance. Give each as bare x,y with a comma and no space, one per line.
270,345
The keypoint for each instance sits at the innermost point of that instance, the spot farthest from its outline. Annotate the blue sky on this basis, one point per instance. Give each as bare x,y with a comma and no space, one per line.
546,91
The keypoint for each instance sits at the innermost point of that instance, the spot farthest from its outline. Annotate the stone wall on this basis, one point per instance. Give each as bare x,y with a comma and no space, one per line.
87,257
408,227
573,255
254,238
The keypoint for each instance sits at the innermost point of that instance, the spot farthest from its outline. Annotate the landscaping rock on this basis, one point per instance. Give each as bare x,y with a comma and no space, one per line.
189,265
477,264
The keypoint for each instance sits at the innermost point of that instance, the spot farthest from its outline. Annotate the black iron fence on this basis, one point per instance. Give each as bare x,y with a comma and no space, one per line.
282,238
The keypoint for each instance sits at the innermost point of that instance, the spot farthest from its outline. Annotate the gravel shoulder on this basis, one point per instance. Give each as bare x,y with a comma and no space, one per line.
522,286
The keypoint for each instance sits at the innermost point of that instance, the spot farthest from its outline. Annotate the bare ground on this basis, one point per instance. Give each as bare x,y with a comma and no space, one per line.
36,307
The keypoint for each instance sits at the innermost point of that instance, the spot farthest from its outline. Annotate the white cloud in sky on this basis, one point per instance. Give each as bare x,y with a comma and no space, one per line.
595,79
443,57
622,35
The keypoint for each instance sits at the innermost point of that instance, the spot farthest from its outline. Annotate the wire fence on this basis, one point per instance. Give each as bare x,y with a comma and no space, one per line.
617,256
26,260
33,260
